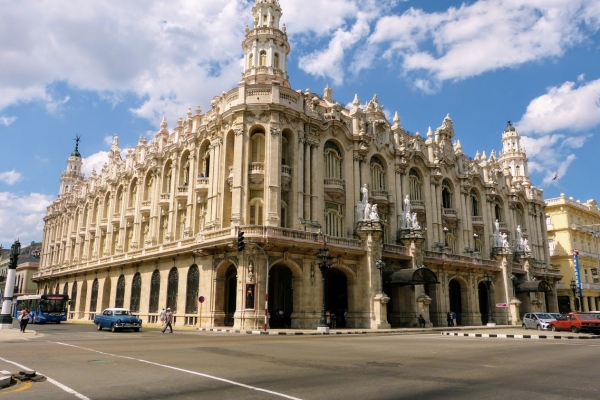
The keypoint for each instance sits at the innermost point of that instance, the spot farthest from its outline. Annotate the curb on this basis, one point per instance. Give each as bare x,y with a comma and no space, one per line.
271,333
507,336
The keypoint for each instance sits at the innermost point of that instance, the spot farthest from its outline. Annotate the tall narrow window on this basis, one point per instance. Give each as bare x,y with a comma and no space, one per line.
446,194
377,174
154,292
263,58
136,291
276,61
94,299
258,147
66,289
415,186
120,297
256,212
191,297
334,220
73,296
333,161
172,289
251,61
474,204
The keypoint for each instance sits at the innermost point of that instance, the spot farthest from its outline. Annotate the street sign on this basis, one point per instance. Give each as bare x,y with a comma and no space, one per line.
201,299
501,305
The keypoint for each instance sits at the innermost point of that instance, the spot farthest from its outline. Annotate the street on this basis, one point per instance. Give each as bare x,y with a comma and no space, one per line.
84,363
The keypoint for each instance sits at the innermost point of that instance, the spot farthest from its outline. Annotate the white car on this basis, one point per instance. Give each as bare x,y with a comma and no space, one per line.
539,321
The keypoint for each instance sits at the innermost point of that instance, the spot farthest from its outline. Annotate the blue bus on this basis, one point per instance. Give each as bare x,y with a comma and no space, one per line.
44,307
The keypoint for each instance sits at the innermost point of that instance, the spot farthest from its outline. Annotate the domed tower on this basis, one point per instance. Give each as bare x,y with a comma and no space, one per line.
266,47
513,156
72,176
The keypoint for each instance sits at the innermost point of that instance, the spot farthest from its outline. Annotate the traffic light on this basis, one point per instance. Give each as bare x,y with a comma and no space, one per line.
241,240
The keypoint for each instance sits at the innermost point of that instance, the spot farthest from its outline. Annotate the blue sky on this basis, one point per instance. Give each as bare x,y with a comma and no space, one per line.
114,67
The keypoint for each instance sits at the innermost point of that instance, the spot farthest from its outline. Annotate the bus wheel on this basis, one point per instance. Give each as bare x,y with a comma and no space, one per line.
58,322
99,327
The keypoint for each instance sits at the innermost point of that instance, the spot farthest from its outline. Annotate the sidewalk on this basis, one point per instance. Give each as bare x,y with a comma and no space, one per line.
7,335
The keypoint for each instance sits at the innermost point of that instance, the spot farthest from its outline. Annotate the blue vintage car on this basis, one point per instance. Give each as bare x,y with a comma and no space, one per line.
117,319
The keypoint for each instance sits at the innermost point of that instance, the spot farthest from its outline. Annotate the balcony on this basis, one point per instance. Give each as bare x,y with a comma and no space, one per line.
449,213
202,186
286,177
116,217
146,206
182,192
257,173
417,205
476,220
104,223
334,187
130,212
380,196
165,199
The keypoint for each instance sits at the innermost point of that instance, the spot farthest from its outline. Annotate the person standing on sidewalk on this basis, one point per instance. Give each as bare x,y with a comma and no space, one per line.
449,318
24,319
454,323
162,317
421,321
168,320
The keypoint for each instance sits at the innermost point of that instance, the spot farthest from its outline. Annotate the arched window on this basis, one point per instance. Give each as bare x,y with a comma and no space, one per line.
263,58
255,212
94,299
258,147
172,289
284,151
446,194
73,296
333,161
136,291
377,174
120,298
415,186
167,178
46,289
148,187
154,291
475,211
132,199
520,214
56,289
119,200
450,240
191,296
334,220
276,61
498,212
250,61
66,289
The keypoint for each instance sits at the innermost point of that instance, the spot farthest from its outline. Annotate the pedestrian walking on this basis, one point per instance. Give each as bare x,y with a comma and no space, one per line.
421,321
454,323
333,320
24,319
328,318
449,318
168,320
162,316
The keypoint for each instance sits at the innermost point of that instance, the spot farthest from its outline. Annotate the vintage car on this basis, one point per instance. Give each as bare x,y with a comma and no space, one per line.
577,322
117,319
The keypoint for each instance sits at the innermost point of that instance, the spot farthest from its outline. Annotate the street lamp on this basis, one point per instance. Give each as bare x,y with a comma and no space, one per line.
9,288
574,290
381,267
325,262
488,281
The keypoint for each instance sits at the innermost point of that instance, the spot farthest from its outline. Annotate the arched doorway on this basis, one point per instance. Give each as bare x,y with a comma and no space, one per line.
483,303
136,291
230,295
120,297
106,294
83,298
173,289
337,295
455,295
94,298
281,296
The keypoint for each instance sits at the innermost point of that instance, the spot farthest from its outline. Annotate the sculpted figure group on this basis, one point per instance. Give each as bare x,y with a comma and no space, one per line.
366,211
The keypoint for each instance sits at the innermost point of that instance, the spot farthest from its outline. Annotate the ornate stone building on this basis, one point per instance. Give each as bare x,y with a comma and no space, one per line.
159,227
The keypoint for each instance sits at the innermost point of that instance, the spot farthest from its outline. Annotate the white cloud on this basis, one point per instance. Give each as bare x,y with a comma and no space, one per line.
10,177
6,121
94,162
21,217
567,106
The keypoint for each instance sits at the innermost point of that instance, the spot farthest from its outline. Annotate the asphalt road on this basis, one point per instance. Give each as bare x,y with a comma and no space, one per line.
194,365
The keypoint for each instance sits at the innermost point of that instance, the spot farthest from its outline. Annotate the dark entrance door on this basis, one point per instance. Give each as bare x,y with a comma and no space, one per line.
564,304
281,296
483,303
337,295
455,299
230,295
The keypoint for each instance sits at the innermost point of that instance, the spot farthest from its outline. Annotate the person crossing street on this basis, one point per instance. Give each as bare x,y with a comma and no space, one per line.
168,320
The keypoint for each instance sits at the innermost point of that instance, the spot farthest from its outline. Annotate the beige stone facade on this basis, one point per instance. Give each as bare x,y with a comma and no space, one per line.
159,227
575,226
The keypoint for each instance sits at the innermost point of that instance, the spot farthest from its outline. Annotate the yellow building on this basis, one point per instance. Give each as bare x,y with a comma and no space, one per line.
575,226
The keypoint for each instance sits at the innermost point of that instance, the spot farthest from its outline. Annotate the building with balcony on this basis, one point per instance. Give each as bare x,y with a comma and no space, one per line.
574,226
158,228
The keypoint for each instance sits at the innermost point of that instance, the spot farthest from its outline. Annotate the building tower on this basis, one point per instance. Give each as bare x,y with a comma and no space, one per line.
513,156
72,175
266,47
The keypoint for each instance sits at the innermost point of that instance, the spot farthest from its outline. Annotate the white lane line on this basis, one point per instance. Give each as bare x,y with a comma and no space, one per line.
185,370
52,381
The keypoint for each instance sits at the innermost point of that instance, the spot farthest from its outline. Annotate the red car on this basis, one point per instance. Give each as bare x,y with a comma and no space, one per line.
577,322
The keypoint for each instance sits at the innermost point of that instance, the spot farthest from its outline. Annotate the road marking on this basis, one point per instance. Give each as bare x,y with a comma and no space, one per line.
185,370
52,381
24,386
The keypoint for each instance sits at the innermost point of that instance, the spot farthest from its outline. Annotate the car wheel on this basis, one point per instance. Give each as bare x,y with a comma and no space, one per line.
524,326
574,329
98,326
553,328
539,327
112,328
136,329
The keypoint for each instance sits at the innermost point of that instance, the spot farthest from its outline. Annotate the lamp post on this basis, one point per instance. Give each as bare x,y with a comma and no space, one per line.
488,281
6,319
514,282
574,290
381,267
325,262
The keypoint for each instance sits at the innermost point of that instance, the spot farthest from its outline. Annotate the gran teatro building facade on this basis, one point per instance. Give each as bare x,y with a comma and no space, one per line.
411,224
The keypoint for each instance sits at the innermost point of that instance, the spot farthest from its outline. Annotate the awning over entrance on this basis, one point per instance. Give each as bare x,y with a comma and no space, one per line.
419,276
534,286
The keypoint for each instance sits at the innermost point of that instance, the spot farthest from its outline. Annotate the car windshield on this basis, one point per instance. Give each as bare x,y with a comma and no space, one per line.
121,312
544,316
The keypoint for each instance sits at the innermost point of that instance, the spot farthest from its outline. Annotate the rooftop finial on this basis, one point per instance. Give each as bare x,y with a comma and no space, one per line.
75,152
